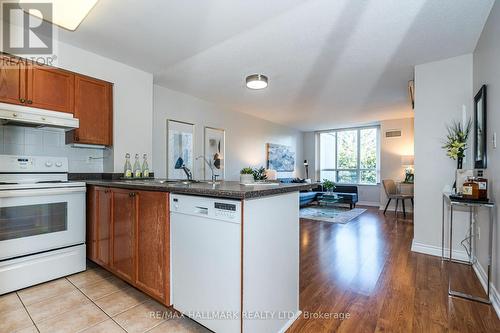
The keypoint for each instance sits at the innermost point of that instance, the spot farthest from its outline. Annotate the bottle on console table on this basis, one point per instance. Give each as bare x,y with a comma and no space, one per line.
471,189
483,188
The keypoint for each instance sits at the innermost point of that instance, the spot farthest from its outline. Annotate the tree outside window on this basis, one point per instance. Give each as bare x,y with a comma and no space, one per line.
350,156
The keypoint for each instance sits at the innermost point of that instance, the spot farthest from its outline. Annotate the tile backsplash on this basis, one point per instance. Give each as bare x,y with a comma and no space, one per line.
49,142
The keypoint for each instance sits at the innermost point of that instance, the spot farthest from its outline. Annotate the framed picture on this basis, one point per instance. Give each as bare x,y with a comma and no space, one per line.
280,158
180,140
480,129
215,145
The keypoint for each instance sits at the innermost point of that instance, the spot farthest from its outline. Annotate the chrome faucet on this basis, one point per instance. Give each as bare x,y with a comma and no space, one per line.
214,176
188,172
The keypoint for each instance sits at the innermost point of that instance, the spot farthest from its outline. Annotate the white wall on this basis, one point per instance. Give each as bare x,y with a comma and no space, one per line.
246,136
442,89
391,150
310,149
487,71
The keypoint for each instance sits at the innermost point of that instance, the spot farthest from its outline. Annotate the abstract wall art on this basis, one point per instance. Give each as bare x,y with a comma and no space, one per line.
215,142
180,139
280,158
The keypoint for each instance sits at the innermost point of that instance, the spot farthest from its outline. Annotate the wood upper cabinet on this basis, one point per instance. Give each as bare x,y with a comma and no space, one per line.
94,109
90,100
12,80
123,233
153,244
50,88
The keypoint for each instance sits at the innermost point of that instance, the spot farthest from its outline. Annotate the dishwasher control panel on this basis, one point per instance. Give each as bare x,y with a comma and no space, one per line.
215,208
225,210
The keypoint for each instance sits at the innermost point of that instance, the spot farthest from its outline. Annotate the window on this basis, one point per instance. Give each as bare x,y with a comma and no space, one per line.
350,156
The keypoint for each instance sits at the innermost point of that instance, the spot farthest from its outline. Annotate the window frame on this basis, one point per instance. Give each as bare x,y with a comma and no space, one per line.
358,170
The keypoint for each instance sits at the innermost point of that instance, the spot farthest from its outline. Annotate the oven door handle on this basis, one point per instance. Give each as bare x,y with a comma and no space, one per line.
40,192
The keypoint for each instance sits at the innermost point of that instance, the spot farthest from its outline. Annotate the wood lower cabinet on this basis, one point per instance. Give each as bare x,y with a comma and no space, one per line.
103,229
12,80
92,206
99,203
123,233
153,244
50,88
128,233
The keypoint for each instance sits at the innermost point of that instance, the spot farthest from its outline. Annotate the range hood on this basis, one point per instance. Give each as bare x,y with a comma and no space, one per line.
18,115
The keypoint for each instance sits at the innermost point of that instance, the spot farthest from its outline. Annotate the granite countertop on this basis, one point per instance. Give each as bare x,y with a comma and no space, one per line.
225,189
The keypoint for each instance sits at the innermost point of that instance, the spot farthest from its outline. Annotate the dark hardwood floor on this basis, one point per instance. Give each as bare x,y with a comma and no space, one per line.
365,270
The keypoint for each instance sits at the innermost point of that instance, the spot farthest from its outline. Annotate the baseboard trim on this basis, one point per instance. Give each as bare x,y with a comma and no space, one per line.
289,323
368,203
436,251
483,278
462,255
392,207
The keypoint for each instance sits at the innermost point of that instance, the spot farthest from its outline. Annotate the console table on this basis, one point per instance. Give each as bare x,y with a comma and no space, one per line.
472,206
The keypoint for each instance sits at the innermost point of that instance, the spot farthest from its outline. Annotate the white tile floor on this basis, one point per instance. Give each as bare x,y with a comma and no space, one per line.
93,301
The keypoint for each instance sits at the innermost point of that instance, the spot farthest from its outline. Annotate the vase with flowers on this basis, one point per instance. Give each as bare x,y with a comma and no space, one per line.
456,141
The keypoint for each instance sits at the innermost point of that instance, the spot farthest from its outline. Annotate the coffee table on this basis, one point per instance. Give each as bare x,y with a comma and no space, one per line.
328,199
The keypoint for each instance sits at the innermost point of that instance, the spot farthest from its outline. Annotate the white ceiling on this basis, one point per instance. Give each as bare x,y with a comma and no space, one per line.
330,62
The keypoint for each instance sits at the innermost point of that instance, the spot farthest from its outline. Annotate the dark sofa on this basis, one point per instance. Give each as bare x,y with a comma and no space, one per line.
347,193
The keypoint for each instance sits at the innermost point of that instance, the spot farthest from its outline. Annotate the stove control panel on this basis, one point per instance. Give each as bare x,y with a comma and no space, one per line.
33,164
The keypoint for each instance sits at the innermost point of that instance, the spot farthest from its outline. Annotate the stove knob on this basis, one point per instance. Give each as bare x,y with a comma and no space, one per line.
58,164
48,164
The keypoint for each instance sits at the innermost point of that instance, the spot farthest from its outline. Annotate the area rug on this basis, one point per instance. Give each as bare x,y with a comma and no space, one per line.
330,214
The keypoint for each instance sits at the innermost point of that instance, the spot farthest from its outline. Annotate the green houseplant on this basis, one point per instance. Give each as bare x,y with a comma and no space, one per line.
246,176
456,141
328,185
259,174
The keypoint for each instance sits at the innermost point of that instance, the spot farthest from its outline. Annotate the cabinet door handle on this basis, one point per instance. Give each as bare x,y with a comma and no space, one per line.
30,101
22,100
77,138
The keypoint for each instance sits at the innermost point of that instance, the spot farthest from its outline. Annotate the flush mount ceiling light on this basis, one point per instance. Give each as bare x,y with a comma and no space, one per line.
65,13
257,81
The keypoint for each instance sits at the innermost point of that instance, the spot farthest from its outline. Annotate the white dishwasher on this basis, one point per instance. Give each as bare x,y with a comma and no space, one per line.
206,260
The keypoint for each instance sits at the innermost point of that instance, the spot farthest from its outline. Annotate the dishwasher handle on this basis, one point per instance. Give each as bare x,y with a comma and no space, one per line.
201,210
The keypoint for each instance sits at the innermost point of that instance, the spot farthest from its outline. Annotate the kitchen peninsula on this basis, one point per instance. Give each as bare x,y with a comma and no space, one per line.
224,254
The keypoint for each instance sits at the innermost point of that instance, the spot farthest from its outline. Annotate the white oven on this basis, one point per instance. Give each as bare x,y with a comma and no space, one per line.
42,221
38,220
